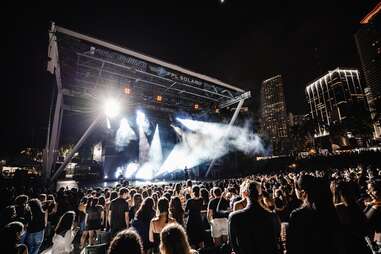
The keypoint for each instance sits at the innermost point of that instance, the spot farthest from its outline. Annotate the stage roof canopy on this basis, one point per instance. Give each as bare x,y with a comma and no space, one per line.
89,68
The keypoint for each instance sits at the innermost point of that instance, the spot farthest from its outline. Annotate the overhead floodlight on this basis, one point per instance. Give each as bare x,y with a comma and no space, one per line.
111,108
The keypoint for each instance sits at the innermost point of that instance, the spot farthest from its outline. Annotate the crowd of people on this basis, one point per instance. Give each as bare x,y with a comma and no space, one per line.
331,211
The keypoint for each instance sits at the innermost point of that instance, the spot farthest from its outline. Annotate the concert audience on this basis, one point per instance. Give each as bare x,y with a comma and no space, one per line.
331,211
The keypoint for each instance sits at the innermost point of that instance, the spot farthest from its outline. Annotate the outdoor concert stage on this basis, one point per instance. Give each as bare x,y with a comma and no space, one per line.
116,91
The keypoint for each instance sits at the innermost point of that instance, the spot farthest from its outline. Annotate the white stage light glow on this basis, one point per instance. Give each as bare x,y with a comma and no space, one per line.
155,158
142,121
124,135
131,169
111,107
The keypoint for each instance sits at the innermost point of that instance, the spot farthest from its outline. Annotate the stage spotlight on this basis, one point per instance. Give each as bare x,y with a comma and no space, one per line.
196,106
127,90
111,108
159,98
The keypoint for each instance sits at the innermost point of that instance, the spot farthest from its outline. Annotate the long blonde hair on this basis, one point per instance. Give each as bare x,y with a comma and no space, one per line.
173,240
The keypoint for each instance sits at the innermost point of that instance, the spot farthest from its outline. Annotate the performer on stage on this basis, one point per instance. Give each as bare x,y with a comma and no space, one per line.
186,173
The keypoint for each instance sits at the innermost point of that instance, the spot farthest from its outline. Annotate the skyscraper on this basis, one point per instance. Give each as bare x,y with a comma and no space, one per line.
335,100
274,115
368,42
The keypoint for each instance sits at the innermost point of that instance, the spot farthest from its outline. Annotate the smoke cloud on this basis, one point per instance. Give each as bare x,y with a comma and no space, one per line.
204,141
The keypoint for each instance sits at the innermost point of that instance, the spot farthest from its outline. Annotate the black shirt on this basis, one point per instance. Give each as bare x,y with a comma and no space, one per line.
37,223
252,230
222,205
118,208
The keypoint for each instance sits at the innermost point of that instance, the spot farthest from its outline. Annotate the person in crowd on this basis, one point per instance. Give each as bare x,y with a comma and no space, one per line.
10,236
141,222
176,210
94,218
194,225
82,222
314,227
36,226
118,214
352,219
173,240
241,203
218,220
126,241
8,215
373,211
23,213
137,201
159,222
64,234
252,229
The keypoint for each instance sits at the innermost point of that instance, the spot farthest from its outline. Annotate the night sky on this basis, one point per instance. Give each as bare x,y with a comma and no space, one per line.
237,42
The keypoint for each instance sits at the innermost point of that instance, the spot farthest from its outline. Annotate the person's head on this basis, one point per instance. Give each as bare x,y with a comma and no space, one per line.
113,195
126,241
138,199
123,193
305,188
253,189
167,195
204,194
175,205
173,240
374,189
217,192
102,201
42,197
11,234
145,210
65,223
163,205
21,200
196,191
177,188
51,198
35,206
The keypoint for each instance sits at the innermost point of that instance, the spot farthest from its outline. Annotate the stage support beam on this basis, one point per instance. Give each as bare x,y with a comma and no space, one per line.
232,120
75,148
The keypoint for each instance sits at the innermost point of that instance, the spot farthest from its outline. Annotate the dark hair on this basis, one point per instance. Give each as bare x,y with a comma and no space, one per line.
204,195
10,236
138,199
196,191
21,200
101,201
123,191
42,197
146,209
189,183
126,241
65,223
173,240
36,208
217,192
177,211
163,207
252,190
167,195
113,195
